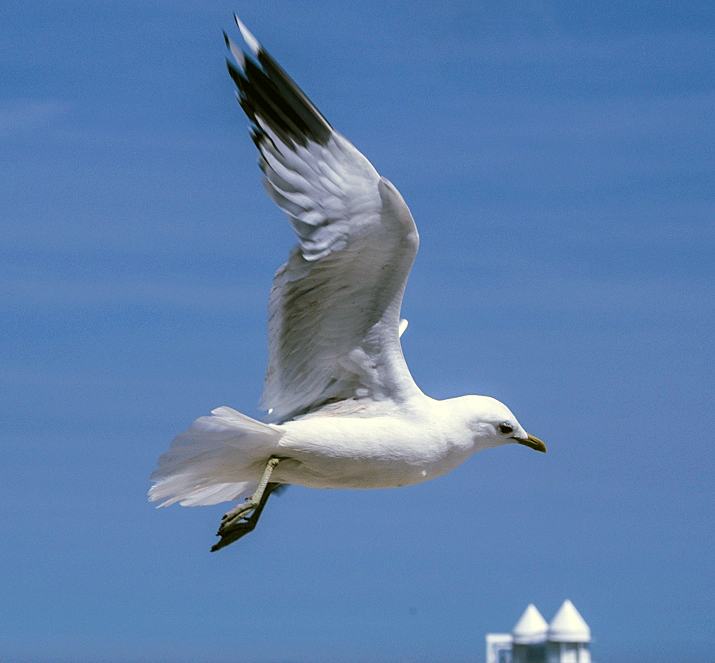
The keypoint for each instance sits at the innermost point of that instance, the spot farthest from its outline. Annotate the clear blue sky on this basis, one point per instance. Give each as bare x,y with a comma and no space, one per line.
558,158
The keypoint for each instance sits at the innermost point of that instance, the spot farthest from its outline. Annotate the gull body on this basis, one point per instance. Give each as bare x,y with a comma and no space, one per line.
344,411
389,444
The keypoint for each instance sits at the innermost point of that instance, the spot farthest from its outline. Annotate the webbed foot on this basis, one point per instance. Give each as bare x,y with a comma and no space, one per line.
243,518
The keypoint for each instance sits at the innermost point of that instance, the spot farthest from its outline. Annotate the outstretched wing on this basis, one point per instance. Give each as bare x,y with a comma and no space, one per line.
335,305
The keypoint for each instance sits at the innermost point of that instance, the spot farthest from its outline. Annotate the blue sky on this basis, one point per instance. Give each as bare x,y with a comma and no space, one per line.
558,158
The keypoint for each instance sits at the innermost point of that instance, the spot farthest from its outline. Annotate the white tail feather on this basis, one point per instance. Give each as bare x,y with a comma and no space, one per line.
220,458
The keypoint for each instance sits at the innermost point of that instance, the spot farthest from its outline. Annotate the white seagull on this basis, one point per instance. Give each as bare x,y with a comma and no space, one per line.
344,411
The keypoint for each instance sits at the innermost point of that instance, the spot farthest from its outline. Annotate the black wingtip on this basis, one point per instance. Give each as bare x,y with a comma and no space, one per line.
235,73
269,95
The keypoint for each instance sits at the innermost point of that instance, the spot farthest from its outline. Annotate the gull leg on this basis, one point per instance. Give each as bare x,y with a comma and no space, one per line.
243,518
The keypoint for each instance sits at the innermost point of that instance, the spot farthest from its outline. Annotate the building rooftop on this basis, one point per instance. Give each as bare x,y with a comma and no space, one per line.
568,625
530,628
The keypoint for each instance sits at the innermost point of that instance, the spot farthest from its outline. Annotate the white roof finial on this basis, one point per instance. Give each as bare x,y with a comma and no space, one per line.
531,627
568,625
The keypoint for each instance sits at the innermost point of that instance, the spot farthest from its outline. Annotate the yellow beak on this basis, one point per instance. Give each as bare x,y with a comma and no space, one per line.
533,442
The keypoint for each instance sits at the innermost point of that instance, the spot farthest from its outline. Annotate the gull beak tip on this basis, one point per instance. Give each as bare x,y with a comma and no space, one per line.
532,442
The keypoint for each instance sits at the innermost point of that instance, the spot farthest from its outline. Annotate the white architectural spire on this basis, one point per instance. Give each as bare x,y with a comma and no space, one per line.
531,627
566,640
568,625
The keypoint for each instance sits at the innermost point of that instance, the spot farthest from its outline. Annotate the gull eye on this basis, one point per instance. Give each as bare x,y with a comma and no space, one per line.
505,429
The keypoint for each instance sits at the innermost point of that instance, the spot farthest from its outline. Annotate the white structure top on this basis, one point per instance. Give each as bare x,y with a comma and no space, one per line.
531,627
567,625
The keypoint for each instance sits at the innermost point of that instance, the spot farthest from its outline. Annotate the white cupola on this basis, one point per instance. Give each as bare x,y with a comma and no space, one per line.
529,637
569,637
531,627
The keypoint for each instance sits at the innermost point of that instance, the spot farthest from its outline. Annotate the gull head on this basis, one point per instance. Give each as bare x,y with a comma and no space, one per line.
490,423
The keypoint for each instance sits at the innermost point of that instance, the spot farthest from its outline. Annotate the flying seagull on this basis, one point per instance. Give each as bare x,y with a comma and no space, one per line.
344,411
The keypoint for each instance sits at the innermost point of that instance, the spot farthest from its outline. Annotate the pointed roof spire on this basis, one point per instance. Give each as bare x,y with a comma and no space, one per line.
568,625
531,627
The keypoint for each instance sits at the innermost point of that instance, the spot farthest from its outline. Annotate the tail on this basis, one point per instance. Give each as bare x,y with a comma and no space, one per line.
220,458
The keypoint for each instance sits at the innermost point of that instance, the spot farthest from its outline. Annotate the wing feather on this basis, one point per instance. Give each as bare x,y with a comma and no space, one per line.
334,308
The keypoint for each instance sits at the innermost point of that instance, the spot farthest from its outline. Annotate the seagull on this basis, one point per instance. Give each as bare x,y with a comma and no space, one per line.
343,409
